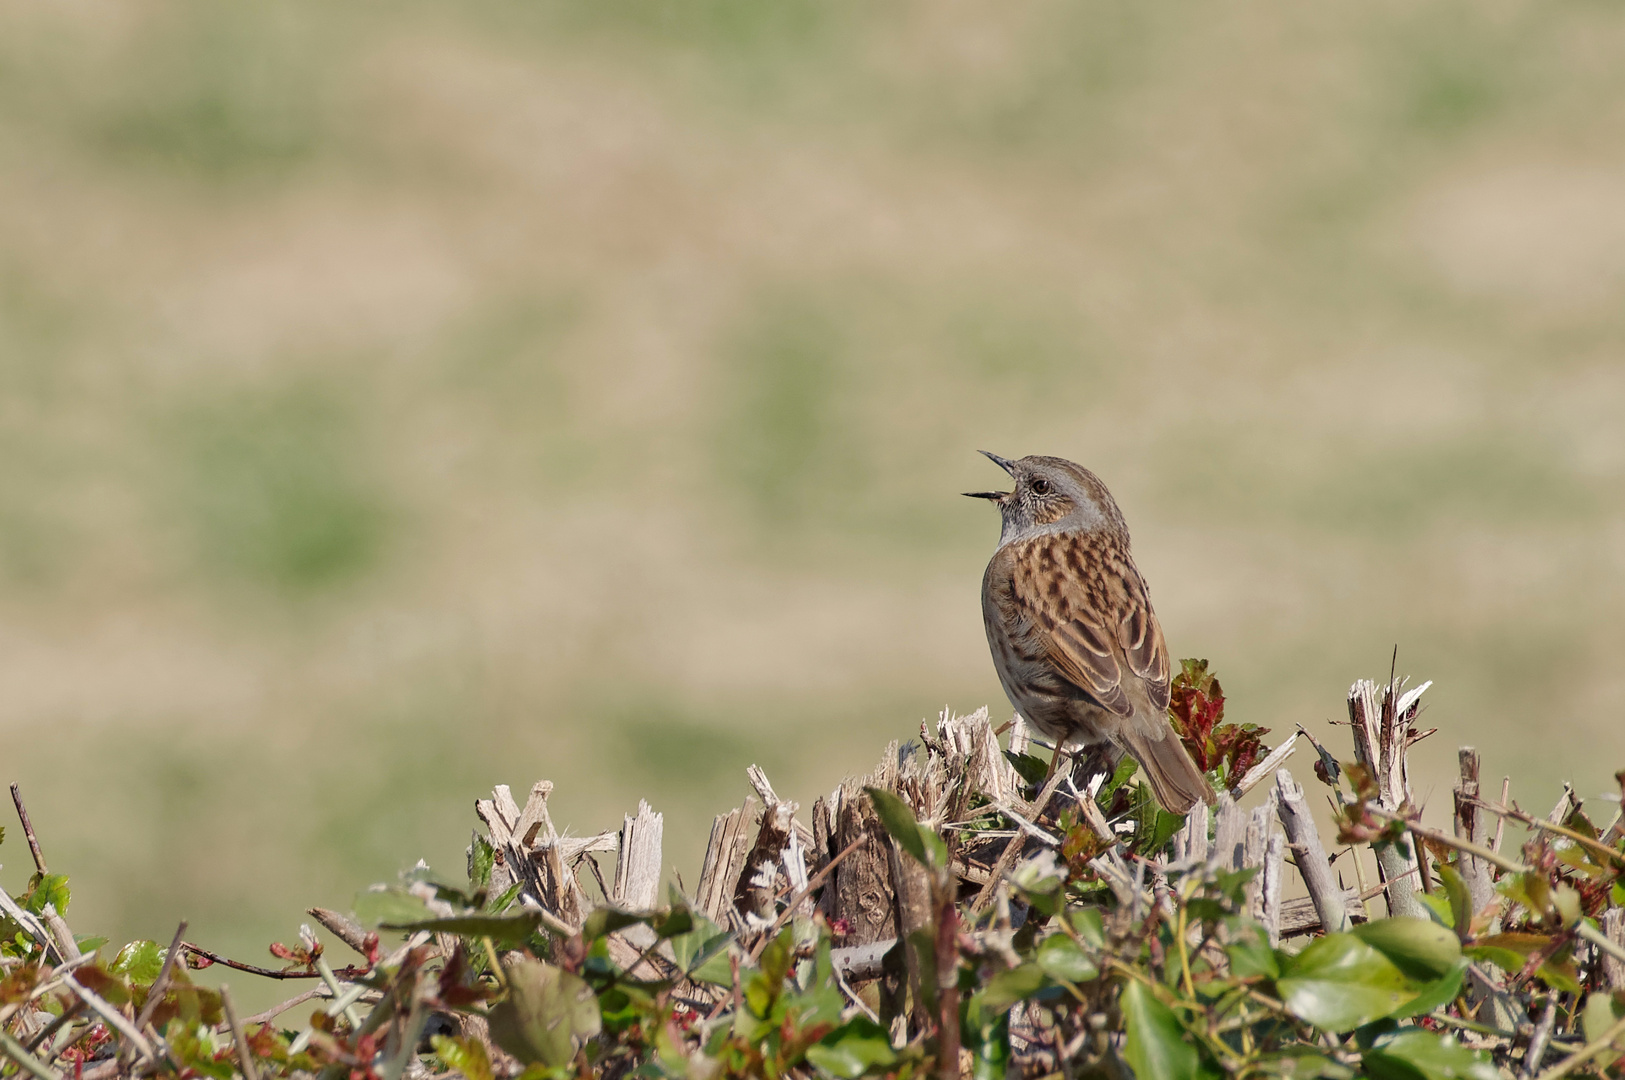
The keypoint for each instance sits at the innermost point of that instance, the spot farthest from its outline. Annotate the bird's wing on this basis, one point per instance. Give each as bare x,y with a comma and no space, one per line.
1051,586
1140,635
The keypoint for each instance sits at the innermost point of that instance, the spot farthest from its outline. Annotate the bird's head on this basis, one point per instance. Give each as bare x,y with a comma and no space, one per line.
1051,494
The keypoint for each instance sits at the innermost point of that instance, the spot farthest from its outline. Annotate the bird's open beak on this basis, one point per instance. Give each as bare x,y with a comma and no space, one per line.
994,496
1004,463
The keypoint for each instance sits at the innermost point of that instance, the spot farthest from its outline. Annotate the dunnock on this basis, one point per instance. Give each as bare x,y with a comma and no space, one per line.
1069,621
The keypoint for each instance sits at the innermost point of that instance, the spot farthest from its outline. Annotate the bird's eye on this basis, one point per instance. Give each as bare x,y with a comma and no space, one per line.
1040,486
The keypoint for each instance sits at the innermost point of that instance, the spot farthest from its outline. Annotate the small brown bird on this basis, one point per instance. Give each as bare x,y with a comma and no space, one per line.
1069,621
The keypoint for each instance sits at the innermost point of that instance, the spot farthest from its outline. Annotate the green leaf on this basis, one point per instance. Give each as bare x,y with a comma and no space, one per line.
702,953
1061,958
1031,769
481,857
1461,902
1601,1013
990,1049
899,821
1339,983
604,921
546,1016
1439,907
853,1049
466,1056
511,928
922,843
382,904
496,905
1087,922
1421,948
140,961
1442,991
47,889
1303,1063
1008,987
1415,1054
1252,956
1156,1048
1566,900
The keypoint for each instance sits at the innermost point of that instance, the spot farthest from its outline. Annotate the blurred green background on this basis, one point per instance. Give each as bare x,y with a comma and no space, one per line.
400,399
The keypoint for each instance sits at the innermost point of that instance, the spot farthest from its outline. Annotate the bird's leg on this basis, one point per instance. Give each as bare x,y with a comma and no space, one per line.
1054,762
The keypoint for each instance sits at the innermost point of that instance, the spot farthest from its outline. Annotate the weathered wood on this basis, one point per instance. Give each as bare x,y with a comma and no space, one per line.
1613,925
1229,833
528,850
1472,825
1381,726
1255,847
637,869
1324,892
1270,900
1265,769
1298,915
1191,842
724,860
863,882
756,891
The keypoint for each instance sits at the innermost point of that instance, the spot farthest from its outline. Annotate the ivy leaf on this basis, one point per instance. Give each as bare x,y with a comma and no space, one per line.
1416,1054
546,1016
1422,949
1339,983
853,1049
1156,1048
1061,958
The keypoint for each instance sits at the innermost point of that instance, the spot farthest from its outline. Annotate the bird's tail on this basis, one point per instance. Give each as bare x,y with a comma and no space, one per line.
1175,780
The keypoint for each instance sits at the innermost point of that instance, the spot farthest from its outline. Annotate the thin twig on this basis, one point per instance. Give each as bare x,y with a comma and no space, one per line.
1600,940
1552,827
812,884
114,1019
1501,823
1456,842
349,972
161,983
28,829
277,1010
1012,849
1590,1050
15,1051
245,1056
1542,1035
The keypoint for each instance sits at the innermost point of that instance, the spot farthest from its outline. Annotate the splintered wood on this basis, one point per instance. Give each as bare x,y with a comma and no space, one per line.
766,866
1383,733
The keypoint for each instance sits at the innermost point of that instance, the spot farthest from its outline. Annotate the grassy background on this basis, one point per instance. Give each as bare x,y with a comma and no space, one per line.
400,399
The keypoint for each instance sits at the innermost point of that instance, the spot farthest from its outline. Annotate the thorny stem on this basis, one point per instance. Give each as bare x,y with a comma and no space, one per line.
1552,827
1509,865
